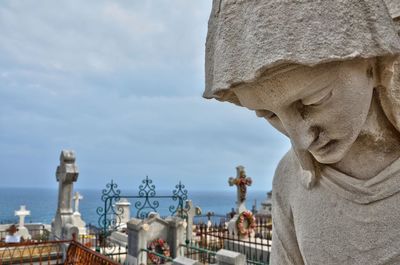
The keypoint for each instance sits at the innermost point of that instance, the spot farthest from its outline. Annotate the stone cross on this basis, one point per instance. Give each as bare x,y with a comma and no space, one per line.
67,173
77,197
241,182
191,212
209,215
22,213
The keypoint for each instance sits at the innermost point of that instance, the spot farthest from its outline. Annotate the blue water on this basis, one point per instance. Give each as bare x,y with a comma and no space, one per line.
43,203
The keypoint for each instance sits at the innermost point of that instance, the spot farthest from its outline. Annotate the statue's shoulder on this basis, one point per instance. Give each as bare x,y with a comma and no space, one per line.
287,173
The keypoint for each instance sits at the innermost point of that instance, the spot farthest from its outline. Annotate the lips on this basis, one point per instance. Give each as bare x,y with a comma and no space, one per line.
320,144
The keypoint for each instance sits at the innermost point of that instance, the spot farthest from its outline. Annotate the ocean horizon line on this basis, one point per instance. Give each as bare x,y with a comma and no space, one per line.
130,190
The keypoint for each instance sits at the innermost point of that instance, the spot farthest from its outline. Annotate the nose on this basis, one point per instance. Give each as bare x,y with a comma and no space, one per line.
301,132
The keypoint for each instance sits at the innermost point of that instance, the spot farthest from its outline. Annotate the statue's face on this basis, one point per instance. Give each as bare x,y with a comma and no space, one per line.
321,109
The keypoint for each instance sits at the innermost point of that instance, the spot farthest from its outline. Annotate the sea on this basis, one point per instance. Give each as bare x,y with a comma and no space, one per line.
42,203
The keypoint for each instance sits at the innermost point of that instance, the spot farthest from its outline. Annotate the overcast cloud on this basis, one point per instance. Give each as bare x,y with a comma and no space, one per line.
120,82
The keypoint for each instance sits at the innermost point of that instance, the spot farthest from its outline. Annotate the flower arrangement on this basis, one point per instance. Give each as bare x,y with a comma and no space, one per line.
243,181
158,246
249,218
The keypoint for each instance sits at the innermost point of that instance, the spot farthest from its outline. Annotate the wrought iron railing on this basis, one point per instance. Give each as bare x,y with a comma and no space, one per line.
49,253
163,258
146,201
208,240
194,251
95,240
78,254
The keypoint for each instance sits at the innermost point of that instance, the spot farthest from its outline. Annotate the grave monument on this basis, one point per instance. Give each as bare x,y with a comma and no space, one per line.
326,75
67,173
241,182
191,211
22,230
76,216
142,234
124,212
266,205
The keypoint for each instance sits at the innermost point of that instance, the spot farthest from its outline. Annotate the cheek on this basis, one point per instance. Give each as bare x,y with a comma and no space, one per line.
358,100
349,108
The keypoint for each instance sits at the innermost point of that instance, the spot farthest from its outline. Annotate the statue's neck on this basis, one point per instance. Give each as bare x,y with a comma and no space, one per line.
377,146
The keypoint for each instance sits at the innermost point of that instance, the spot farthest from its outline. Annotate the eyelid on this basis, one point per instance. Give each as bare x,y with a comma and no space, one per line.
318,98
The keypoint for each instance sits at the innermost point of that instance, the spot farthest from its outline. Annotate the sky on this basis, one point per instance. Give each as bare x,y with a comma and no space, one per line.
120,83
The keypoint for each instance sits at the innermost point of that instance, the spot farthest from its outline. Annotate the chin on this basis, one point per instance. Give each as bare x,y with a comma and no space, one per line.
327,159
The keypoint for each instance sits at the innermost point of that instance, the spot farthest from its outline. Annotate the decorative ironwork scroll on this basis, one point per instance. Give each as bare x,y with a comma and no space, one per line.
109,215
180,191
180,195
147,191
147,201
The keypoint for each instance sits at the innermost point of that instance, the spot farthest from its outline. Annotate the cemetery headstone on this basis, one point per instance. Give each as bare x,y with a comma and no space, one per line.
22,230
67,173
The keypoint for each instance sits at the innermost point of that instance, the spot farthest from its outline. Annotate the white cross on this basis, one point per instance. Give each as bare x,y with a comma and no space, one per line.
77,197
22,212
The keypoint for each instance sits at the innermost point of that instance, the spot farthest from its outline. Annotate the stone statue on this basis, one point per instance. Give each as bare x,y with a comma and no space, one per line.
325,74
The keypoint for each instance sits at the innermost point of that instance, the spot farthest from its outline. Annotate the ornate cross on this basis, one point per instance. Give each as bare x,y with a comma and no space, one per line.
241,182
77,197
22,213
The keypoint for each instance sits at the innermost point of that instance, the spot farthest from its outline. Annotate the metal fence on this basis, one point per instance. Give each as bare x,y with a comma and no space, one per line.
97,241
38,253
209,239
40,250
80,255
51,253
147,200
197,251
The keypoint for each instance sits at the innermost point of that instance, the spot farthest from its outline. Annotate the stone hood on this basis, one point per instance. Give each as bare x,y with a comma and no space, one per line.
249,38
394,8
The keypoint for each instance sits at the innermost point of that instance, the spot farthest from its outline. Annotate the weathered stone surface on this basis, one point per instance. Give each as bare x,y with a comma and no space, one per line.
227,257
246,38
185,261
123,212
394,8
76,216
327,75
142,232
67,173
191,212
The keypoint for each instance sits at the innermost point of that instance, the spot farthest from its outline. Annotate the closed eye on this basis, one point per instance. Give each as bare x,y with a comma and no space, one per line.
318,98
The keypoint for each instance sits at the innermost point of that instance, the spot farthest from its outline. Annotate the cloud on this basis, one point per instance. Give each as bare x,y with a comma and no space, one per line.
120,83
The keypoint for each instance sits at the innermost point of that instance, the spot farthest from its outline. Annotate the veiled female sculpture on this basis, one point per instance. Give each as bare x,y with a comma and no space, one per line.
325,74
